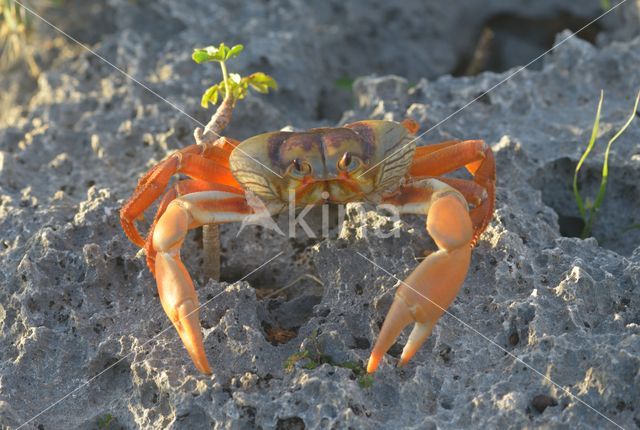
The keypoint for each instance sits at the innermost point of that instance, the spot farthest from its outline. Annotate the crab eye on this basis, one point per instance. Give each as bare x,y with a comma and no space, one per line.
347,162
300,167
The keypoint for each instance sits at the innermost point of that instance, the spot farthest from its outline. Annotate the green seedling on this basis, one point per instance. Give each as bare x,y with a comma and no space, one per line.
104,421
232,84
232,88
605,4
344,83
588,209
310,358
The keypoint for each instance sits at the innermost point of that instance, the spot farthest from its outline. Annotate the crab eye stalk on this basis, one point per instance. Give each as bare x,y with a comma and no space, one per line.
299,167
347,162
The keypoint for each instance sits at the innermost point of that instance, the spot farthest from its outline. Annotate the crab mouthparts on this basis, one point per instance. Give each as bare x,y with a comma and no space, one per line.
340,190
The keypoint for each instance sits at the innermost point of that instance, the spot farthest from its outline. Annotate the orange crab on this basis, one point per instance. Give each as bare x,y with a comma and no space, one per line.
374,161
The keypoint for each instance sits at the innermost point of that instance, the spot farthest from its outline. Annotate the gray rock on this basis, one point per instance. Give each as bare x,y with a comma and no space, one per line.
83,332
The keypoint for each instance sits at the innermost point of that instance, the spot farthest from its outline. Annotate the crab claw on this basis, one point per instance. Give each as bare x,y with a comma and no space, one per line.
180,303
175,287
425,295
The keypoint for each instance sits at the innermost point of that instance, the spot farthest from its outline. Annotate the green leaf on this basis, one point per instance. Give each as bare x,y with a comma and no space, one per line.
210,53
200,56
261,82
210,96
234,52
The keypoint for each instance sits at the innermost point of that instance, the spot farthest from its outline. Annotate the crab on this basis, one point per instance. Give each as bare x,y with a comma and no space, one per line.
373,161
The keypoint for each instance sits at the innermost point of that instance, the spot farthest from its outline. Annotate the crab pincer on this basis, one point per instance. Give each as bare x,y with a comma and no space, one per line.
429,290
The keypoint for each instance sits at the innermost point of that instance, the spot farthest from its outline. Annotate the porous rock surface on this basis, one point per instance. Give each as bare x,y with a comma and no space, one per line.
78,304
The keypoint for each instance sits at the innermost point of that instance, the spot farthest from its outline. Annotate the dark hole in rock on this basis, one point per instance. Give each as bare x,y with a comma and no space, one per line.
396,350
358,410
282,319
278,335
248,415
361,343
514,339
291,423
620,208
509,40
445,353
542,402
570,226
446,404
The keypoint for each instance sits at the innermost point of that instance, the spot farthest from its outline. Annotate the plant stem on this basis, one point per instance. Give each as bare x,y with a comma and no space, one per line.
211,232
225,77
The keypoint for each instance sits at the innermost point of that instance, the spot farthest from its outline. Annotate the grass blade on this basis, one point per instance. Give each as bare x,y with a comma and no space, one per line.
605,165
592,141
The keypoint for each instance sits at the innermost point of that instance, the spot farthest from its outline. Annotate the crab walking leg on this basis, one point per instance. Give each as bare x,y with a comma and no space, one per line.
477,158
179,189
175,287
429,290
154,182
472,192
450,157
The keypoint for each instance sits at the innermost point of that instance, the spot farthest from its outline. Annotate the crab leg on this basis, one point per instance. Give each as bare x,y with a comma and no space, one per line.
472,192
429,290
477,157
450,157
179,189
175,287
209,163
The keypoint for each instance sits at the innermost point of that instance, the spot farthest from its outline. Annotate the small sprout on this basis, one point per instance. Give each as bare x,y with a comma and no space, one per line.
592,141
588,209
605,4
232,84
311,365
290,363
365,381
104,421
315,357
344,83
351,365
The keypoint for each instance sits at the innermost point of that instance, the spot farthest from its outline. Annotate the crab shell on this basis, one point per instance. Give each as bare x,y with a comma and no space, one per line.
318,152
